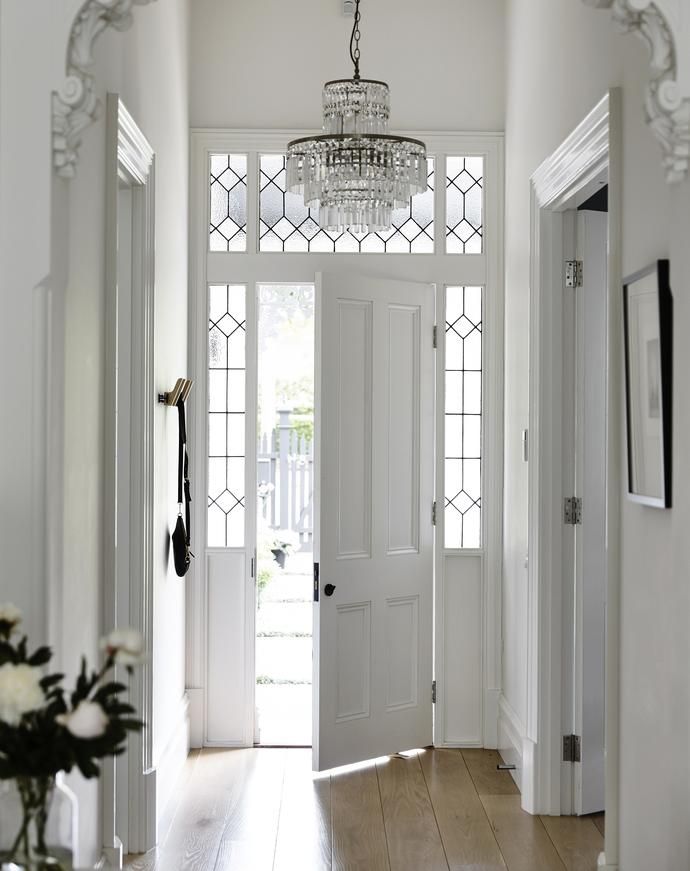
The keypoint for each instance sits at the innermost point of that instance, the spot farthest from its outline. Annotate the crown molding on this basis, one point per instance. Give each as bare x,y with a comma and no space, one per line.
75,104
664,25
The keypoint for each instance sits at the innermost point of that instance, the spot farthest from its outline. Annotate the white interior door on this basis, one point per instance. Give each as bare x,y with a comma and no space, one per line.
374,538
590,536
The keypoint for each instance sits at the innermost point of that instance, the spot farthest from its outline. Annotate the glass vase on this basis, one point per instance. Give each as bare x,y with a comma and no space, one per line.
37,824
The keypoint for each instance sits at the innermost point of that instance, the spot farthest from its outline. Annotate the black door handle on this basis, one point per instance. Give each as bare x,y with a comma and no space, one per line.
329,589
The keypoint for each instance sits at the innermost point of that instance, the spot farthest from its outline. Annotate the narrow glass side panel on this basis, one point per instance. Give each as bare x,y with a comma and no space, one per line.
228,196
463,418
226,414
464,205
286,224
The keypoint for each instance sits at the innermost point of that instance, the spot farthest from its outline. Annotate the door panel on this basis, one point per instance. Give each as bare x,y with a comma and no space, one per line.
373,634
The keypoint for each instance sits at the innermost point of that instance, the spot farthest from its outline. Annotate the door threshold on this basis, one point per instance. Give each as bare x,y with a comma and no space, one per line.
283,746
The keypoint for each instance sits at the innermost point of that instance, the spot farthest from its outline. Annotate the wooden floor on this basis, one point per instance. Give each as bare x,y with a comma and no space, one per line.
441,810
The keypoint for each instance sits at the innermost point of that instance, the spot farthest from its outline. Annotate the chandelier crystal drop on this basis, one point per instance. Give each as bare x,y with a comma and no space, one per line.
355,171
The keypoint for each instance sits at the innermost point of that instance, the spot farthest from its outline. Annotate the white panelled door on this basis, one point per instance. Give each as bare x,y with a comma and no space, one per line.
374,541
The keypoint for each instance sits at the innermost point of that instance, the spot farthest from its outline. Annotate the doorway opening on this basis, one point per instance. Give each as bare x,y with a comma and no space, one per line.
285,514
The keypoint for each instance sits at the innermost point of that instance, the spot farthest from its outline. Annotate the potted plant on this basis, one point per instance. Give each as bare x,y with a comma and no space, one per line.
284,543
46,730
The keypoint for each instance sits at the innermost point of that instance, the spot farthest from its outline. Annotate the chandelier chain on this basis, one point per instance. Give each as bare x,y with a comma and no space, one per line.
354,41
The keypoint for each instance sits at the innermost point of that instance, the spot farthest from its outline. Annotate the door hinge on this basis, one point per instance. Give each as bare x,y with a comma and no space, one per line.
573,273
435,337
571,748
316,582
433,514
572,510
251,570
433,692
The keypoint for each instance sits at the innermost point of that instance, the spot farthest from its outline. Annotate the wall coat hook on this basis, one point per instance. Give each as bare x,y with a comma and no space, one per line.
179,392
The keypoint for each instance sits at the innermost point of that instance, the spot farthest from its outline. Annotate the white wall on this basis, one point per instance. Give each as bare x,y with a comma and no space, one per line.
263,63
148,67
549,91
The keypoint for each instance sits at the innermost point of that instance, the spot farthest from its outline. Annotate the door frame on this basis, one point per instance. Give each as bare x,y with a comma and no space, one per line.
129,787
594,146
251,267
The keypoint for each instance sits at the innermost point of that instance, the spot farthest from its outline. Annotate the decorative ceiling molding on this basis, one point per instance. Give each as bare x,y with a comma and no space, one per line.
75,105
665,26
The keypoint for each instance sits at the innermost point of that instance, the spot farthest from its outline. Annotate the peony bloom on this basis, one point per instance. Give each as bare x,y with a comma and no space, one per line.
20,691
87,720
10,616
126,646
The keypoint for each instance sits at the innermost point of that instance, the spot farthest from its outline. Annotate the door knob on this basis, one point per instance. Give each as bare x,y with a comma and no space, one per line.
329,589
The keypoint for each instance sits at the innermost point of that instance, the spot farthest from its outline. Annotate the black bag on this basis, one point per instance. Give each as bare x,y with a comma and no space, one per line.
181,536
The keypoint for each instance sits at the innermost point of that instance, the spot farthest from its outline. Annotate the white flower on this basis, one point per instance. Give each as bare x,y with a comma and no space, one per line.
10,614
87,720
126,646
20,691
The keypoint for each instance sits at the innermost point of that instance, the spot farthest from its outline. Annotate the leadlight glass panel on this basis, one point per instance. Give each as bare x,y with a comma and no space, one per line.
286,224
463,418
464,205
226,414
228,227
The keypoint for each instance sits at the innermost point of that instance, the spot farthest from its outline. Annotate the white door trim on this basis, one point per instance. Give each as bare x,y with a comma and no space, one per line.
130,162
594,146
250,267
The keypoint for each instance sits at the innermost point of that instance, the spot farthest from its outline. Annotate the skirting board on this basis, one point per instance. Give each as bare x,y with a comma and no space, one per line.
603,866
510,739
172,759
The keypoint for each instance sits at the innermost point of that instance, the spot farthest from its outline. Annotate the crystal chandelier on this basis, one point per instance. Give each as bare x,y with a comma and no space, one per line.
355,171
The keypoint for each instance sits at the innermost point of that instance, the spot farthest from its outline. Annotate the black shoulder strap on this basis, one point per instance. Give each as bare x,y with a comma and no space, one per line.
183,489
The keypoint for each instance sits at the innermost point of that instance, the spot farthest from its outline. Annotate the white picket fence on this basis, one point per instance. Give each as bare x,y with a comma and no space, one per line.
285,460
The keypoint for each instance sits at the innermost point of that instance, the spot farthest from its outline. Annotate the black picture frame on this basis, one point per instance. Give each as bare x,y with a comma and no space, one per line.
648,342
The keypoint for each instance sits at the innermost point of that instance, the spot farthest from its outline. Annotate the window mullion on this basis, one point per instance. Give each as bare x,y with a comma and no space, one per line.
253,202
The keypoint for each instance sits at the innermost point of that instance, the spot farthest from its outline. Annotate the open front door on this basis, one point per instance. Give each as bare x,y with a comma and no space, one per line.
374,542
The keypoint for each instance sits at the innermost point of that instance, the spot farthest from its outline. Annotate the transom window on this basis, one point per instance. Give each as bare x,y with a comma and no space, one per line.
285,225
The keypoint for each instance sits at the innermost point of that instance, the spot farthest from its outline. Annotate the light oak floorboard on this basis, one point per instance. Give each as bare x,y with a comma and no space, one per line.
599,821
487,779
359,837
304,829
522,837
577,840
414,841
466,833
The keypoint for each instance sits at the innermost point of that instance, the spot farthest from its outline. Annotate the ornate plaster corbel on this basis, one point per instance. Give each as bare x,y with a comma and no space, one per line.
75,104
665,26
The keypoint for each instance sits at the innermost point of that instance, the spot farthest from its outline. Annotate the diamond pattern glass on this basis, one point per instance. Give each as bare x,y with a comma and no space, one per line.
463,418
464,205
286,224
226,414
228,227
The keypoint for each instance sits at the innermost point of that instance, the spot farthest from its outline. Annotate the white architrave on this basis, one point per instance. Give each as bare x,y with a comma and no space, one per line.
665,26
130,163
75,104
594,146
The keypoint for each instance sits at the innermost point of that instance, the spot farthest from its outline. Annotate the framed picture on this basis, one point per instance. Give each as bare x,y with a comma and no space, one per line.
648,313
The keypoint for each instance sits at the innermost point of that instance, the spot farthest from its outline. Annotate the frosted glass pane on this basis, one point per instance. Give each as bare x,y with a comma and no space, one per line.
286,224
464,204
235,429
228,202
216,435
235,527
235,396
473,393
226,390
463,422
